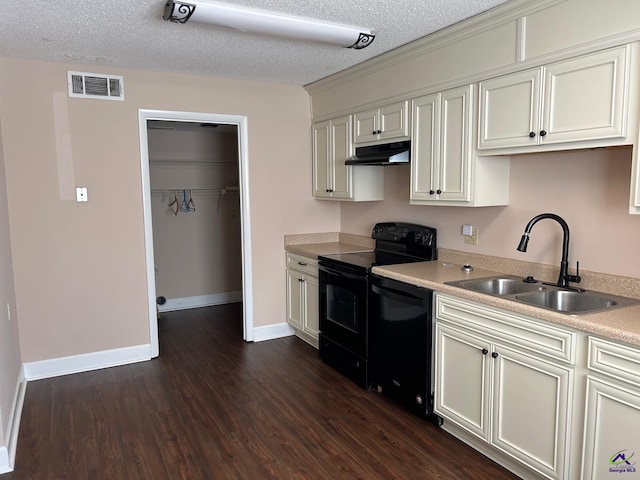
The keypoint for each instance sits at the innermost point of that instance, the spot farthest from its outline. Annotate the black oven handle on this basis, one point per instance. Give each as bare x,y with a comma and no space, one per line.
398,295
338,273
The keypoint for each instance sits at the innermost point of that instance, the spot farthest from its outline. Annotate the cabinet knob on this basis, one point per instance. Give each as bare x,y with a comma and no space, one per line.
485,351
379,132
438,191
543,133
494,354
431,192
374,132
532,134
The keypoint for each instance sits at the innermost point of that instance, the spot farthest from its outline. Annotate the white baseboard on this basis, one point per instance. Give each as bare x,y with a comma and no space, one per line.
197,301
8,452
86,362
269,332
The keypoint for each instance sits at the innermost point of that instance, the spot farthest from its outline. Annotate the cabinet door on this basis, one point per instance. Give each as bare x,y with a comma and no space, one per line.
366,125
294,299
322,181
462,379
510,110
585,97
311,324
394,121
341,149
531,410
612,426
455,144
425,146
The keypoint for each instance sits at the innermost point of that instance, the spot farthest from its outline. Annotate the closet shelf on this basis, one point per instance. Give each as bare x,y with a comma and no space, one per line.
194,191
193,162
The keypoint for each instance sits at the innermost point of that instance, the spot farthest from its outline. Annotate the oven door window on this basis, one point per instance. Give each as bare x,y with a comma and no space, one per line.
343,306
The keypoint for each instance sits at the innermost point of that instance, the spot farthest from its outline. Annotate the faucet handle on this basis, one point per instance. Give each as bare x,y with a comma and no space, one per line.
575,278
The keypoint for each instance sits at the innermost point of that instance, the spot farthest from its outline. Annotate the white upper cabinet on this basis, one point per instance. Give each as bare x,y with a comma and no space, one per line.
441,146
509,113
331,147
583,99
390,122
445,169
332,179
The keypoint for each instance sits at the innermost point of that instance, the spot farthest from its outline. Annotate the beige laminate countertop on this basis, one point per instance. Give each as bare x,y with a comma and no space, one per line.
314,250
622,324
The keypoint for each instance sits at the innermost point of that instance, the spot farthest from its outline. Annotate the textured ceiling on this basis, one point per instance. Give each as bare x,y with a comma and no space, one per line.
132,34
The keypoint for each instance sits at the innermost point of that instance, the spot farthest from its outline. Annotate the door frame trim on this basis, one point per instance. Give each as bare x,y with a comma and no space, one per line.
241,122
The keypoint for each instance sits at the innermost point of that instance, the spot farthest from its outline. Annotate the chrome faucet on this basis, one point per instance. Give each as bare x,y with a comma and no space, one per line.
564,278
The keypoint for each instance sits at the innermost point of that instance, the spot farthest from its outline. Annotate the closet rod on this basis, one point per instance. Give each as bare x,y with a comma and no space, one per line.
194,191
192,162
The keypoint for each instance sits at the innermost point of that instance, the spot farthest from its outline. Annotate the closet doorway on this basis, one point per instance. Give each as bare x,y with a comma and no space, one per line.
196,216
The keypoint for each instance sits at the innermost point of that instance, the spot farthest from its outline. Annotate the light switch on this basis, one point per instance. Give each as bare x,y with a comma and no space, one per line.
81,194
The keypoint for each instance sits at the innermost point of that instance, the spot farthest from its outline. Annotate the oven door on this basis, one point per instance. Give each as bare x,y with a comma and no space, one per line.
343,307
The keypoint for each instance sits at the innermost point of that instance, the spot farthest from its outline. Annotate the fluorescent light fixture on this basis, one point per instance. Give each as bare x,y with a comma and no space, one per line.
266,23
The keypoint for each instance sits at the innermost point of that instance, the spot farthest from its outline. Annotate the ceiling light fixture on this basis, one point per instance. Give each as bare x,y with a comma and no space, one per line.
266,23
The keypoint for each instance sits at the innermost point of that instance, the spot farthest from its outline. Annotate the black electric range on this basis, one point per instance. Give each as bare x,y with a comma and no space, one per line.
345,334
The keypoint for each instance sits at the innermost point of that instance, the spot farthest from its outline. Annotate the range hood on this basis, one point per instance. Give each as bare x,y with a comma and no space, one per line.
396,153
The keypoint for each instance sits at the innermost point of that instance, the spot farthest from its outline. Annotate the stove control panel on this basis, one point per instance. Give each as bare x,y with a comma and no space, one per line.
405,233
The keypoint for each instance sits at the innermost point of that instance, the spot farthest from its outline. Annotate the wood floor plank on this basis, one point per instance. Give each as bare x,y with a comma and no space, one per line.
214,407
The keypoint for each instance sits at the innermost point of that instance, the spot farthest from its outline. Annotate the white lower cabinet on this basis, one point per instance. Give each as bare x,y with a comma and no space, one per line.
505,383
302,297
612,420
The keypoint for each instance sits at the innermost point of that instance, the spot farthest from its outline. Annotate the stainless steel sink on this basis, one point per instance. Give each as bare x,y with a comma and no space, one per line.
567,301
551,297
503,285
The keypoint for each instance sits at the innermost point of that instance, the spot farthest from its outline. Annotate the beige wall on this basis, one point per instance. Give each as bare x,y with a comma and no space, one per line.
80,268
588,188
9,341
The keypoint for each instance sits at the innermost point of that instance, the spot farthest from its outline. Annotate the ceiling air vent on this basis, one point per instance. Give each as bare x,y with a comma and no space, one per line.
95,85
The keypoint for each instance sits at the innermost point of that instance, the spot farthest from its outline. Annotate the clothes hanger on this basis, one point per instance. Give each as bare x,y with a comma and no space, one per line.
184,206
191,206
174,209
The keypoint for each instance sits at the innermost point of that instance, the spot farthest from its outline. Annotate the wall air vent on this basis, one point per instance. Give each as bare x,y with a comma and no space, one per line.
95,85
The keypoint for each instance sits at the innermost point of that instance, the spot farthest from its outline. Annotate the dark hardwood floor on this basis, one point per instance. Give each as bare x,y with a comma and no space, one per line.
214,407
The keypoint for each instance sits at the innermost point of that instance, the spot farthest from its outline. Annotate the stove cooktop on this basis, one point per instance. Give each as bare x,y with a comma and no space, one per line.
396,243
367,260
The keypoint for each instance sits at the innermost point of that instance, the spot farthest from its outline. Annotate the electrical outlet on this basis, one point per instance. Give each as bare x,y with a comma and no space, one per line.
473,238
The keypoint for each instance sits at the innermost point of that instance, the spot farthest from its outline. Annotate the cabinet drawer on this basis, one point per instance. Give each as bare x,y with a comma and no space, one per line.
527,333
614,360
302,264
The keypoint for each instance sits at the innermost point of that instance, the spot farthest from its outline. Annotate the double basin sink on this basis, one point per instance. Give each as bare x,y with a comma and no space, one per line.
550,297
